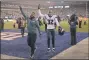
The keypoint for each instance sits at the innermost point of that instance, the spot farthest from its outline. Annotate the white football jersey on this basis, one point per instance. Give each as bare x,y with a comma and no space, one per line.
50,21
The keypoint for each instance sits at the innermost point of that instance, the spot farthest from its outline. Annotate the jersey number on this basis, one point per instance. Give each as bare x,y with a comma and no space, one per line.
50,21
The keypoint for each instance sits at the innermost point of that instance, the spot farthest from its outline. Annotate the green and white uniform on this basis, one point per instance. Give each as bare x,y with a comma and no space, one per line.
32,26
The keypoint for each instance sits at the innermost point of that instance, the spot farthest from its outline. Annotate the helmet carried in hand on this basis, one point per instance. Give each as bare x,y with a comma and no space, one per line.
61,31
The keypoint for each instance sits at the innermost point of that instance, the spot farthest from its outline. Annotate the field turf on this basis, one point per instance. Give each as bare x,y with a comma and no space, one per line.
64,24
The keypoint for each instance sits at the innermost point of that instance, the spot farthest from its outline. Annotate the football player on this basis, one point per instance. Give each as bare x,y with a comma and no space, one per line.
32,26
50,20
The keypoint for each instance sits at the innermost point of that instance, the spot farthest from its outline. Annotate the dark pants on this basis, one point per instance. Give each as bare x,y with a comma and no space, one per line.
73,36
19,26
46,27
31,41
51,33
0,34
84,22
80,23
2,26
13,25
22,31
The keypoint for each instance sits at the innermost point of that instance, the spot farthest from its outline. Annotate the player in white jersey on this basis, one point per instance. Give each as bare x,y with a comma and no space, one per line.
50,20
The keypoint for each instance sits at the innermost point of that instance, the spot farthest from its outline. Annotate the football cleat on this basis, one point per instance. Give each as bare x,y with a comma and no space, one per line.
53,49
48,50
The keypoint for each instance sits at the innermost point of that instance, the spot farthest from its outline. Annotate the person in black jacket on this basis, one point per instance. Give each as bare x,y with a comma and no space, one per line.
19,23
2,24
80,21
73,22
0,27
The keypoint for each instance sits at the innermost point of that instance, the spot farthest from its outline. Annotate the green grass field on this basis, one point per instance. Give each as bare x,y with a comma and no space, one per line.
64,24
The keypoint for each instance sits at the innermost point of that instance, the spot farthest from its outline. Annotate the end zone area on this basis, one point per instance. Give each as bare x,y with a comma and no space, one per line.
19,48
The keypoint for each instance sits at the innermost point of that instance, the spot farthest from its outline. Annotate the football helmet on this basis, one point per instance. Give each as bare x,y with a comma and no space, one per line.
61,31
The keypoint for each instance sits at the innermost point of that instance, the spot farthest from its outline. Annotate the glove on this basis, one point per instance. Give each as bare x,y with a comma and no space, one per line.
39,6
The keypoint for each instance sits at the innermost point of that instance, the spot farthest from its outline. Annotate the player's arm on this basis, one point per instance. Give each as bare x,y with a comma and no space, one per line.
44,20
76,20
39,11
57,23
40,22
23,13
38,27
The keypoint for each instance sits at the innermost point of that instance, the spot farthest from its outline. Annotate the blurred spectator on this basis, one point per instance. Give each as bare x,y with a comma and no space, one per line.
85,19
1,24
73,22
14,24
59,19
80,21
19,23
23,25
